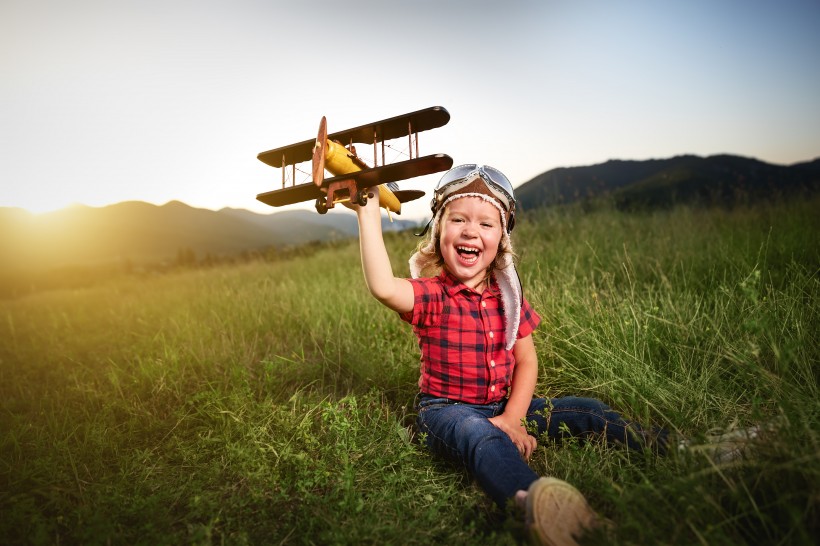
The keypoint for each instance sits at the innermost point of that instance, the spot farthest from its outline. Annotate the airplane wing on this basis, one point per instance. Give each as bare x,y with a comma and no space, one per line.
364,179
388,129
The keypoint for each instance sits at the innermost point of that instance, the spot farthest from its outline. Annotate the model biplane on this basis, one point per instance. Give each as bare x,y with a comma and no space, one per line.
352,176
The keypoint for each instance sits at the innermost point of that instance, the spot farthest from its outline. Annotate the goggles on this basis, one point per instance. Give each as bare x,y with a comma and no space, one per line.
458,177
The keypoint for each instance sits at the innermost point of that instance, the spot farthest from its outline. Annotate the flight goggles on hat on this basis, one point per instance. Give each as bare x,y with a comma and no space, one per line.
459,177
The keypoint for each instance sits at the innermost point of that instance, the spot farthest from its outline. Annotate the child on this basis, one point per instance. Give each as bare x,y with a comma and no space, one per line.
478,361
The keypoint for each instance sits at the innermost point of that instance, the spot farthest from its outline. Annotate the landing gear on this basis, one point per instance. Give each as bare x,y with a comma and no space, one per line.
361,197
348,187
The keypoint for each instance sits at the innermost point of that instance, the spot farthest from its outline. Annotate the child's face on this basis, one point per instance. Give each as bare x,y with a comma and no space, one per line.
470,232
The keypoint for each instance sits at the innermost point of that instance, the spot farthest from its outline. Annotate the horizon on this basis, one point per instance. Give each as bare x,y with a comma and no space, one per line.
107,103
308,206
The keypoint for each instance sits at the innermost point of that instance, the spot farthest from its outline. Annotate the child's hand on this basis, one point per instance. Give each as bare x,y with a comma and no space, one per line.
525,443
372,200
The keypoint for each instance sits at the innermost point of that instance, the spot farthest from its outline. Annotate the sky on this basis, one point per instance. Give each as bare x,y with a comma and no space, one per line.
108,101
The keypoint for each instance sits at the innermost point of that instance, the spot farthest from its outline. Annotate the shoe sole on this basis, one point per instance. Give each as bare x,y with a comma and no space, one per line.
557,513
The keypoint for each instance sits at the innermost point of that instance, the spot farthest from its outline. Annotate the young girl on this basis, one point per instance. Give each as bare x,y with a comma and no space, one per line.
478,361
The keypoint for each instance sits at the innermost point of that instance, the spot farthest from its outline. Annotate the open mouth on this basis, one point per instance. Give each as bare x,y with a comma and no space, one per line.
468,254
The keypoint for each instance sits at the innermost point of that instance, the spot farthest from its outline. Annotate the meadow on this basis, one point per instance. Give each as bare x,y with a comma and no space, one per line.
272,402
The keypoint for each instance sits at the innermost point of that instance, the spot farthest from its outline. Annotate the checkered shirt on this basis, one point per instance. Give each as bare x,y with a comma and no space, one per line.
461,337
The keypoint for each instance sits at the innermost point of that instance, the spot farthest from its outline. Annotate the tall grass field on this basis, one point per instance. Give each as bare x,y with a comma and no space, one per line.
272,402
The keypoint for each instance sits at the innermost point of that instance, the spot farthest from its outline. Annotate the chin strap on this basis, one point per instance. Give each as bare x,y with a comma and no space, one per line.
425,228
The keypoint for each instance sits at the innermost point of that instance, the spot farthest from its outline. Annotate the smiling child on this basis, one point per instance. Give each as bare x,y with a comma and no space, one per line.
479,366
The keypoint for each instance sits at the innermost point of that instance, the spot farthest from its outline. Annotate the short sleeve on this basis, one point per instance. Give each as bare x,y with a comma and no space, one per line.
428,302
529,320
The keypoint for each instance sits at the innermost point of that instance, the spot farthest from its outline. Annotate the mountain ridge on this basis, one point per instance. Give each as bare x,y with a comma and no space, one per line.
140,232
721,179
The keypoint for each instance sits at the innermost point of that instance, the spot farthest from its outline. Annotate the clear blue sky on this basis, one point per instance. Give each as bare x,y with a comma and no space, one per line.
151,100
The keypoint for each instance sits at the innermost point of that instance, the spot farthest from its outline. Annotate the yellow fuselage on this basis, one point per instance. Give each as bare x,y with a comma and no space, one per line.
338,161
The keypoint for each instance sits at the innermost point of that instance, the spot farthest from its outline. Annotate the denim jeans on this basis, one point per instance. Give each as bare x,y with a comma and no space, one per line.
462,433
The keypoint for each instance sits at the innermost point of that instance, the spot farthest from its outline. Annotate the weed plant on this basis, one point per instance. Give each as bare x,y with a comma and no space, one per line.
272,403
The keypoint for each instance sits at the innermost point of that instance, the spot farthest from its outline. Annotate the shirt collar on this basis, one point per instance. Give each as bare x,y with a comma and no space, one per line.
453,286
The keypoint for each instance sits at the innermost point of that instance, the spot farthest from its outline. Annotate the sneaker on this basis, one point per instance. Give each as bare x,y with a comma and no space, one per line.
730,446
557,513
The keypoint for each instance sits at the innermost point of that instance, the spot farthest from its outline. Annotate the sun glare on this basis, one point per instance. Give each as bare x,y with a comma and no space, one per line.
42,206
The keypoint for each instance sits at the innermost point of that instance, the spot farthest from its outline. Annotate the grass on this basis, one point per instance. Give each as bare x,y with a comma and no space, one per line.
272,402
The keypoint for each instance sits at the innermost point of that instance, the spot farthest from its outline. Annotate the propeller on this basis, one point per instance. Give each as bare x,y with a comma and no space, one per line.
319,153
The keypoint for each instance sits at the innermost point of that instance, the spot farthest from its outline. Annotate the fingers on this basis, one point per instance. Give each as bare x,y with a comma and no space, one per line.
372,194
526,445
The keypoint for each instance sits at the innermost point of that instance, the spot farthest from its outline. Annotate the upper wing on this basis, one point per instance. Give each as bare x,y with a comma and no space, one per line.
388,129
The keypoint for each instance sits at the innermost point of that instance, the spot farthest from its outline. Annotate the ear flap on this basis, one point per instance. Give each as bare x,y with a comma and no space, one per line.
511,298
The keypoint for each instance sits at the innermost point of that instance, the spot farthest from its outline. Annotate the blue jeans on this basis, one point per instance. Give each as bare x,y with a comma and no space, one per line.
461,432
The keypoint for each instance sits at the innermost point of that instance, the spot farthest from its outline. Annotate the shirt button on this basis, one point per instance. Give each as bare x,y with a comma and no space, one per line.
492,389
483,304
491,335
492,363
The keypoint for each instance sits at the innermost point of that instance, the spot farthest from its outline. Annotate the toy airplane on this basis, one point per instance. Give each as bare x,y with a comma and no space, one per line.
352,176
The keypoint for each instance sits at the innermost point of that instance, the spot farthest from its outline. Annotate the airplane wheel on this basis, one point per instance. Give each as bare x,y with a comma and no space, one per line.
321,205
361,197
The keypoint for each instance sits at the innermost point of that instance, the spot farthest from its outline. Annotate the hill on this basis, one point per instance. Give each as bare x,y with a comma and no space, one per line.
719,179
139,232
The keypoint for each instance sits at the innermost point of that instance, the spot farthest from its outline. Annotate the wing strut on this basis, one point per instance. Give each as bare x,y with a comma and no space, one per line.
410,138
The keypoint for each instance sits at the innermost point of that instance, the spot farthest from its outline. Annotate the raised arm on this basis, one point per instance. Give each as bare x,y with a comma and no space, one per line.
395,293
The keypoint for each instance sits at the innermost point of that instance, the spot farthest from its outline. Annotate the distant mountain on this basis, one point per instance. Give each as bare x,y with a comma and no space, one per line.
137,232
143,233
719,179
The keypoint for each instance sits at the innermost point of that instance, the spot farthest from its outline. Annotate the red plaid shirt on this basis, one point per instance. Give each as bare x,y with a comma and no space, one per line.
461,337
